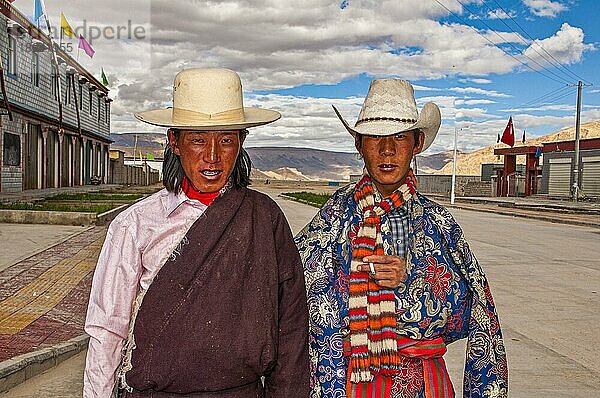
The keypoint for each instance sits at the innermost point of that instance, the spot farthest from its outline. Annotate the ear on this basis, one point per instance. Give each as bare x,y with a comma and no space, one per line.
173,142
419,143
357,144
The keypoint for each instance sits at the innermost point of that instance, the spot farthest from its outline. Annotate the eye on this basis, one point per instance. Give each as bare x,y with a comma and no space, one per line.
400,136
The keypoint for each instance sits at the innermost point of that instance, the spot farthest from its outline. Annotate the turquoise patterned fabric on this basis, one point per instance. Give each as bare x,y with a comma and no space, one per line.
446,294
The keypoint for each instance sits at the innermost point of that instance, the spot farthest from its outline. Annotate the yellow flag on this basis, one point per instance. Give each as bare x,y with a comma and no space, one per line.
66,28
141,158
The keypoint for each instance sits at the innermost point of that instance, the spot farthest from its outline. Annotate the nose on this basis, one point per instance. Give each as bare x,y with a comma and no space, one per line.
213,151
386,146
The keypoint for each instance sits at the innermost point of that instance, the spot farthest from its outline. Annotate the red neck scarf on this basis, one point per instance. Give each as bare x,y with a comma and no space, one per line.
192,193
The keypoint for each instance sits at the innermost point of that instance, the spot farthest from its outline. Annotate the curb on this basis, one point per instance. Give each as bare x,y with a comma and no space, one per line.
483,210
61,217
16,370
530,216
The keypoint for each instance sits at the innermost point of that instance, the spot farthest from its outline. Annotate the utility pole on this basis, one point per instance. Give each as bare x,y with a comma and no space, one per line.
577,132
454,168
452,192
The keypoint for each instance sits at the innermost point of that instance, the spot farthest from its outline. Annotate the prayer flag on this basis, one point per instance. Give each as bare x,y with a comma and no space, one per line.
141,158
83,44
538,152
66,28
38,10
508,137
104,79
149,156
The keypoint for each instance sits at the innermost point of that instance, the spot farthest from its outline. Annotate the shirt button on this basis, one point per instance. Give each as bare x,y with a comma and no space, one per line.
399,241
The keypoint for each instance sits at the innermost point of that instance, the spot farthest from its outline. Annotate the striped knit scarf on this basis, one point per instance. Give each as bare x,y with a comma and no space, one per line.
372,308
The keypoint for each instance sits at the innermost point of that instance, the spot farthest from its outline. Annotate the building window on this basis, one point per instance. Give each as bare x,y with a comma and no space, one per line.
106,111
35,69
12,56
11,150
80,96
98,109
90,102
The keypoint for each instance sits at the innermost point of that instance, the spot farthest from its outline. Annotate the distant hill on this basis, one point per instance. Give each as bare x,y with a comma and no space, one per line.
470,163
277,163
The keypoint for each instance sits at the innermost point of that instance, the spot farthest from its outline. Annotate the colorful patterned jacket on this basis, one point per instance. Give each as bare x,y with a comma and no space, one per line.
445,295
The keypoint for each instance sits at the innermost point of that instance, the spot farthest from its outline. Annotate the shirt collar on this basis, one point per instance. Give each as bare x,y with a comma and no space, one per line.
174,200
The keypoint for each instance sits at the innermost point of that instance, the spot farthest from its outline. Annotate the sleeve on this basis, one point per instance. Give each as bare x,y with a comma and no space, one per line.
486,369
114,286
290,377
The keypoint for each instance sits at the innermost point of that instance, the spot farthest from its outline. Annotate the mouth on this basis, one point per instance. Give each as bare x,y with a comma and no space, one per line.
387,167
211,174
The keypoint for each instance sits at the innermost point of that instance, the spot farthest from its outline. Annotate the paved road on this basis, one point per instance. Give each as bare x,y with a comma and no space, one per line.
545,279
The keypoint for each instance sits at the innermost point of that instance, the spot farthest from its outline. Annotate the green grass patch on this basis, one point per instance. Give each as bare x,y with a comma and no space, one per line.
95,196
316,199
48,206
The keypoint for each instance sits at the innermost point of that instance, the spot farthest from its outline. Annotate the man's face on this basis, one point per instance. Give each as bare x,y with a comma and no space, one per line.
207,157
387,158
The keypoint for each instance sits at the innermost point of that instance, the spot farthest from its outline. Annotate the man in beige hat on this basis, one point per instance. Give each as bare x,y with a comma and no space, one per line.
390,278
199,289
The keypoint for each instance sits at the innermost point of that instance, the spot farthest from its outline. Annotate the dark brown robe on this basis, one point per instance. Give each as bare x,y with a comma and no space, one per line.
229,308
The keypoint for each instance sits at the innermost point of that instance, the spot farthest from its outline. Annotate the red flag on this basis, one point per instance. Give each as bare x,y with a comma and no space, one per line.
86,46
508,137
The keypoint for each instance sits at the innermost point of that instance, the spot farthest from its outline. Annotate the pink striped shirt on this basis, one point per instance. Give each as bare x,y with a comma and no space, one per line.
137,244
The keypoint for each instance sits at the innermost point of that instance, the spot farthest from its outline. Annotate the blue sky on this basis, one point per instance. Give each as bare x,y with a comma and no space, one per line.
301,57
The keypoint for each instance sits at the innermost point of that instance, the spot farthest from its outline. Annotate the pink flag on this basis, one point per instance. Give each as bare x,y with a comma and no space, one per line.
86,46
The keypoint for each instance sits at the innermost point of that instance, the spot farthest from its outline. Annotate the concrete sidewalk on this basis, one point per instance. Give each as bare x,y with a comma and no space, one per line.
43,302
573,213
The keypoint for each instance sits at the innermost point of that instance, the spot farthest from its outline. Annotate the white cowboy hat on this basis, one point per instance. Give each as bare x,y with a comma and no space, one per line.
208,99
390,108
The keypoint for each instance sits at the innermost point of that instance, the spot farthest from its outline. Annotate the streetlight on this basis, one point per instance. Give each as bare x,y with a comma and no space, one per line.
452,194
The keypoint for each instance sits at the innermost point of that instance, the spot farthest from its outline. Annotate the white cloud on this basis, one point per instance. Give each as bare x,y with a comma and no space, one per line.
565,46
500,14
284,43
475,80
545,8
474,102
479,91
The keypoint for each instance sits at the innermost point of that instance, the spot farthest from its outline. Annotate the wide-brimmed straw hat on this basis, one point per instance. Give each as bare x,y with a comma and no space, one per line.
208,99
390,108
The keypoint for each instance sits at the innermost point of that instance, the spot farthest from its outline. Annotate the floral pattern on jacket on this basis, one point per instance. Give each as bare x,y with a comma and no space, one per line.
445,295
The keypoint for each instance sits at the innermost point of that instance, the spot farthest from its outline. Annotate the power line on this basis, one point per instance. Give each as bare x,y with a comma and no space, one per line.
543,97
511,45
494,44
554,100
536,42
555,65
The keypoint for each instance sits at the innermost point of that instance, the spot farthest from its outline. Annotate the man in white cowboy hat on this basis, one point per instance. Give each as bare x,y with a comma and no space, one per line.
390,278
199,289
